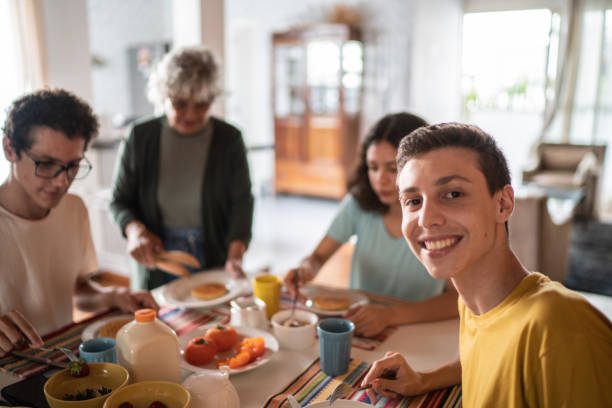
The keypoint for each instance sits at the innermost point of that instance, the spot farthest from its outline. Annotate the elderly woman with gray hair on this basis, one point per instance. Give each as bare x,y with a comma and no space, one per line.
182,179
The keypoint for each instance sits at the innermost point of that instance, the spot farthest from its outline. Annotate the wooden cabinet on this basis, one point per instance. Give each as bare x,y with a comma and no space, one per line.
318,77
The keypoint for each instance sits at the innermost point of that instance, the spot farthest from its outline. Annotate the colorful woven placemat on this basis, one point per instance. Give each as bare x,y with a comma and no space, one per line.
181,320
313,385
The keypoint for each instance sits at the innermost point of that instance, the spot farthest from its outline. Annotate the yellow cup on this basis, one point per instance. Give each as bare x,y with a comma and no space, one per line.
267,288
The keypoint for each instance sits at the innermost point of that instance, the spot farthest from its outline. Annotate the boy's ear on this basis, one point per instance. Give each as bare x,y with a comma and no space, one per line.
505,203
9,152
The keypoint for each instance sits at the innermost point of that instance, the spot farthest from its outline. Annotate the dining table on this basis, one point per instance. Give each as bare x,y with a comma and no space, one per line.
424,345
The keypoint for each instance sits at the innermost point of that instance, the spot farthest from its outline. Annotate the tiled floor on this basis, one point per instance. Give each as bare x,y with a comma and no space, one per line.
286,228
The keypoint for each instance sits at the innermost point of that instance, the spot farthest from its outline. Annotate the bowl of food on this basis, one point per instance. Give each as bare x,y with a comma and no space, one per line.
295,334
150,394
90,390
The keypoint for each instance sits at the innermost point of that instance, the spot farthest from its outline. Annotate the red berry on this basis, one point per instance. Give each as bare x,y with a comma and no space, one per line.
78,368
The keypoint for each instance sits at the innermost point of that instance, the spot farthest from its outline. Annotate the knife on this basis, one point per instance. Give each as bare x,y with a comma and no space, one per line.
43,360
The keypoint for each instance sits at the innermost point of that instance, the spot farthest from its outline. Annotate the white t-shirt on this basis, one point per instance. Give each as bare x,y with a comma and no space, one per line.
40,261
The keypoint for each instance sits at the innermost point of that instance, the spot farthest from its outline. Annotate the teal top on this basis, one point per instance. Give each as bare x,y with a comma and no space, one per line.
381,264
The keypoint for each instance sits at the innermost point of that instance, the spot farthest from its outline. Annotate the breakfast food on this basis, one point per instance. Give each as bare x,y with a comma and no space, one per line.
249,350
224,337
111,328
331,302
180,257
172,268
89,393
208,291
200,351
294,323
78,368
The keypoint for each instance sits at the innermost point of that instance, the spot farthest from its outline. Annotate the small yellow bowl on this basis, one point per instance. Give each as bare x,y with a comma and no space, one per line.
108,375
142,394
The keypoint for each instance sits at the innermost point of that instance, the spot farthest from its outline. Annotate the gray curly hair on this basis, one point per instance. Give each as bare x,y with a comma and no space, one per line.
184,73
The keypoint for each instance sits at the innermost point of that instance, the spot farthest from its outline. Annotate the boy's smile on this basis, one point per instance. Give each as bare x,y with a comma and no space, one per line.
450,219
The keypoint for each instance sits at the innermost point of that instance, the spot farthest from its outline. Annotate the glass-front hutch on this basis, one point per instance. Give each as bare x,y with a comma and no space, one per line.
318,82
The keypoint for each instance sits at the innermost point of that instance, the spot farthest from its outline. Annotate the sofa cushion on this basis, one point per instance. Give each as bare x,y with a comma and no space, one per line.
563,179
561,157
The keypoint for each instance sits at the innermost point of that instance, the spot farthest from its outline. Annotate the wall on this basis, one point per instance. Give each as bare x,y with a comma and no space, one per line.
412,57
114,25
436,60
67,46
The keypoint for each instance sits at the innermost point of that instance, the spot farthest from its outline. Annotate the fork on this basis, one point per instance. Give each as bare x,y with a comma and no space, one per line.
343,390
67,352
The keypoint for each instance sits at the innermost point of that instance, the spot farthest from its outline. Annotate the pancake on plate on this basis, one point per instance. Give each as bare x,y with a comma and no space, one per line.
111,328
331,302
209,291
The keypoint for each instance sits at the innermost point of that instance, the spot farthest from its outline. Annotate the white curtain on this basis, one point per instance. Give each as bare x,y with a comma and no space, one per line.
32,53
22,47
580,110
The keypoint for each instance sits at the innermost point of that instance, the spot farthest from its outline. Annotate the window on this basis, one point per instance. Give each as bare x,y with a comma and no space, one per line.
506,74
10,73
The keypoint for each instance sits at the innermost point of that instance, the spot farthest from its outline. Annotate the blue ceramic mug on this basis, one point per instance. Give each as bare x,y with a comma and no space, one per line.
335,339
99,350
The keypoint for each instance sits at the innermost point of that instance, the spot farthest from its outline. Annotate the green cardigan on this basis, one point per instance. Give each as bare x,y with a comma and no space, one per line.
227,200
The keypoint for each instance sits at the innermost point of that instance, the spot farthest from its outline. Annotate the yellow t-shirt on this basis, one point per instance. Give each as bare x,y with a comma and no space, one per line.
542,346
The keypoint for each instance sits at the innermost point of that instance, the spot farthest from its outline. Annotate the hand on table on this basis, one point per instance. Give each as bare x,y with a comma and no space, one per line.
16,332
142,244
369,320
129,301
406,382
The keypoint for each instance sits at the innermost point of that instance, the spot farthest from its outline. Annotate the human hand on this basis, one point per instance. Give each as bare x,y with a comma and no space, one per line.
129,301
369,320
297,277
406,382
16,332
142,244
234,268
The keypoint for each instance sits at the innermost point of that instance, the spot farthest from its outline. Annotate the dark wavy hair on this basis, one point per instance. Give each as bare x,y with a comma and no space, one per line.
391,128
57,109
491,160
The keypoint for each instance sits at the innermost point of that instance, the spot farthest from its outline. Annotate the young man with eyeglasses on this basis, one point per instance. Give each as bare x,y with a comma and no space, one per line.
46,248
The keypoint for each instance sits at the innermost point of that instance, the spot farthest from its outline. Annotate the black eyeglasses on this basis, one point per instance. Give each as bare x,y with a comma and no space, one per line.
50,169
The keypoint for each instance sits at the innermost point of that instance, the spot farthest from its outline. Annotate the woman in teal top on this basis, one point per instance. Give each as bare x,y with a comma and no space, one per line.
382,261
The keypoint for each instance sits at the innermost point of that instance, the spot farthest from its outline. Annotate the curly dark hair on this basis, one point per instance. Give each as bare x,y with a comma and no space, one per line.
491,160
57,109
391,128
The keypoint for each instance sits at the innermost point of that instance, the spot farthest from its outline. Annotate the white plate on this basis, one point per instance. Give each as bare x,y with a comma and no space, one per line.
93,330
178,292
355,299
270,340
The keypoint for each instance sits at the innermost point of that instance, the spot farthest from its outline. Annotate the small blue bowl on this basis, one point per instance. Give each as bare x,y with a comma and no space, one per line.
99,350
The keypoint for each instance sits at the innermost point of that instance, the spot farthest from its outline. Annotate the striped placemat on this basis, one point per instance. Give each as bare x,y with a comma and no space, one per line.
313,385
181,320
365,343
